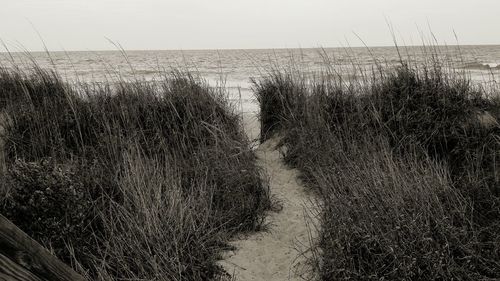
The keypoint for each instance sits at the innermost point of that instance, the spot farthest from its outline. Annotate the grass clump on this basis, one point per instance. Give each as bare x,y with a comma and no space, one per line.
406,168
157,175
454,122
279,98
396,218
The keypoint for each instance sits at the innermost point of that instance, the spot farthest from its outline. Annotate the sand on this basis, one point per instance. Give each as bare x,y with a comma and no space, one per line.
280,252
251,124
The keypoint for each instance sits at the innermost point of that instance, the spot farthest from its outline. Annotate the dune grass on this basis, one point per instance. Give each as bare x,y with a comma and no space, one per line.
405,161
128,180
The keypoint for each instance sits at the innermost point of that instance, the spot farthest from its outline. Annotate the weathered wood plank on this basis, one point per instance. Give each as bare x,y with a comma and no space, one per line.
11,271
22,258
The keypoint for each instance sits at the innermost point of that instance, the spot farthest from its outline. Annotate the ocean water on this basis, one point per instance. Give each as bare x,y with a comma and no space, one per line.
237,67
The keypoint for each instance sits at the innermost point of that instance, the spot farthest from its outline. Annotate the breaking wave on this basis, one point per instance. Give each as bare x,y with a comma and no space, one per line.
482,65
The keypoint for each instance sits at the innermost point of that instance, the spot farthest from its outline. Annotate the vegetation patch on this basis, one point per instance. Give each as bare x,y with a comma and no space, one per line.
131,180
406,164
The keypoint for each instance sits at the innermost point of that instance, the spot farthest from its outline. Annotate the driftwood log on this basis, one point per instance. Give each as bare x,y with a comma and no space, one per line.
22,258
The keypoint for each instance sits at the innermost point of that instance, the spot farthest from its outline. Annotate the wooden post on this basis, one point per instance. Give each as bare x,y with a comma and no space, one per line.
22,258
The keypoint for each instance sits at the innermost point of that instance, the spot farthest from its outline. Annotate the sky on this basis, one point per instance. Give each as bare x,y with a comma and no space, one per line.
243,24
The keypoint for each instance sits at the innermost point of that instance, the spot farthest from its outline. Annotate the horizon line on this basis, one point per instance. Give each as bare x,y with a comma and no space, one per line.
240,49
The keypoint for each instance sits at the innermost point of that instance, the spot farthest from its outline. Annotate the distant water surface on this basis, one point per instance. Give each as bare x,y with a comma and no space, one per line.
236,67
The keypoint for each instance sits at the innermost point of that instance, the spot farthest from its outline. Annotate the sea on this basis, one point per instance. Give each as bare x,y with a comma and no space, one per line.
235,68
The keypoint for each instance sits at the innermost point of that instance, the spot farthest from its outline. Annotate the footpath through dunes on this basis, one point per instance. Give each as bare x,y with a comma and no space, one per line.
280,252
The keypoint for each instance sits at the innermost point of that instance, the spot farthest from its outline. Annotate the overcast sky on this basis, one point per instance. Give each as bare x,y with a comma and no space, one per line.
222,24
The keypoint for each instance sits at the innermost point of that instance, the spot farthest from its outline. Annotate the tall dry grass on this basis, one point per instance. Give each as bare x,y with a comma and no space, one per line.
128,180
405,167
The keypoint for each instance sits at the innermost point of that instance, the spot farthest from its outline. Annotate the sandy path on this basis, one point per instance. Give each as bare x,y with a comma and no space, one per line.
278,253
